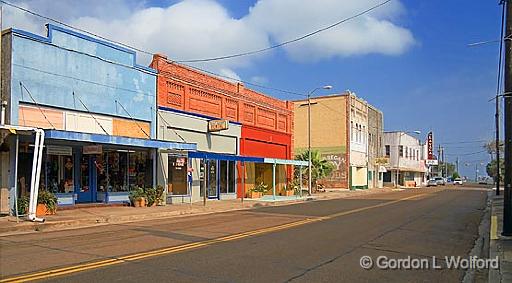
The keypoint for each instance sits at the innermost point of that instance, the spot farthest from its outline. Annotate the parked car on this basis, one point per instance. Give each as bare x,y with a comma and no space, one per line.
432,183
457,181
440,181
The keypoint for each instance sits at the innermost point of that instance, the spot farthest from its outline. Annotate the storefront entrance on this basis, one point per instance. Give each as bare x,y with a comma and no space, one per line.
88,179
219,178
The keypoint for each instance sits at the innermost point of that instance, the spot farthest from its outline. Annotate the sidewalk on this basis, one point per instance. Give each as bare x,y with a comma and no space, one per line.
499,245
93,216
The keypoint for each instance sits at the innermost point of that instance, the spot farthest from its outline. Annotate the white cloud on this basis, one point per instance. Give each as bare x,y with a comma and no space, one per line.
371,33
193,29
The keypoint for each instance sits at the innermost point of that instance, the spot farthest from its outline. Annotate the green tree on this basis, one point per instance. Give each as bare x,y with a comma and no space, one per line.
320,167
491,148
491,169
455,175
447,170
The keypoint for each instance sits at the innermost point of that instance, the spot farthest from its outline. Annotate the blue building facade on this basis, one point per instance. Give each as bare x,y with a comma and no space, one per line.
97,107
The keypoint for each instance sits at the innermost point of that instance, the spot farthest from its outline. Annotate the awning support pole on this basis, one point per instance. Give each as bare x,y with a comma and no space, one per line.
243,181
16,178
36,174
300,180
274,181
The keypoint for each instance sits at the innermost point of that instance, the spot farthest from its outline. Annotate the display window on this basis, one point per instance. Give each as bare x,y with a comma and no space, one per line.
177,181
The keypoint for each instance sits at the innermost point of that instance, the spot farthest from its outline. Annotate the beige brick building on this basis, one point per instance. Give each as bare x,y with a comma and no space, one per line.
340,131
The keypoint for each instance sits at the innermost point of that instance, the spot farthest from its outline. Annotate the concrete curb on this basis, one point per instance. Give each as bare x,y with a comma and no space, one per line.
25,227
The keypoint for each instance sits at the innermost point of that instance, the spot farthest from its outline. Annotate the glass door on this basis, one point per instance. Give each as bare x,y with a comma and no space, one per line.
212,179
87,179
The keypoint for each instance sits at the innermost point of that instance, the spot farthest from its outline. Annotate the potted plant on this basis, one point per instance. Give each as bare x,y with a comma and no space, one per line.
258,190
46,203
288,190
138,197
23,205
160,198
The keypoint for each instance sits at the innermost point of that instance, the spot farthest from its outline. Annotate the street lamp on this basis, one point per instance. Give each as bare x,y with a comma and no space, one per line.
398,153
309,133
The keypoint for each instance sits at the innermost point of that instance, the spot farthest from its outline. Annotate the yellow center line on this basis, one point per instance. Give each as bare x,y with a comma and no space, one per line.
189,246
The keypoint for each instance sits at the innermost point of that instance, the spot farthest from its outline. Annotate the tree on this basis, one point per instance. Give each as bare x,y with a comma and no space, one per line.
491,148
455,175
491,169
320,167
447,170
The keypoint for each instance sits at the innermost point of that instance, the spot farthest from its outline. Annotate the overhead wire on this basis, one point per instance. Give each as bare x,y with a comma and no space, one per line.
288,41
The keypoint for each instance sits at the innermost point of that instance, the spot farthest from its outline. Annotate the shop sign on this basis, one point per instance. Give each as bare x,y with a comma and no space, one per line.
382,161
180,161
430,145
59,150
92,149
218,125
432,162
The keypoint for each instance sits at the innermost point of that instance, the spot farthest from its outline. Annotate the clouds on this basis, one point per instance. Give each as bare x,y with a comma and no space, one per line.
371,33
193,29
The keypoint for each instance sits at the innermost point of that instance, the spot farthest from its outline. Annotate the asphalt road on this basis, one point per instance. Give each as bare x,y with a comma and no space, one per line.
318,241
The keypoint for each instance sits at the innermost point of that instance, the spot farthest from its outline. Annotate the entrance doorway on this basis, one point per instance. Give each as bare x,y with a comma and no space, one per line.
213,188
88,179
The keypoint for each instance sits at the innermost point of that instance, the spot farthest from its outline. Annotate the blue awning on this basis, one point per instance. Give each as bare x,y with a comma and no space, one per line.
117,140
223,156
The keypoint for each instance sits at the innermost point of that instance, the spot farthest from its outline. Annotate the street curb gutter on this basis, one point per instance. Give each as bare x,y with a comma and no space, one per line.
481,247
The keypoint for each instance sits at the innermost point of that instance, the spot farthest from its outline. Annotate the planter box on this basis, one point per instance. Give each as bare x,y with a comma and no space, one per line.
140,202
252,194
42,210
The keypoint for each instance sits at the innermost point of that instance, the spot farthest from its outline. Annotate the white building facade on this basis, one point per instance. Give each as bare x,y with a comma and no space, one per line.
406,165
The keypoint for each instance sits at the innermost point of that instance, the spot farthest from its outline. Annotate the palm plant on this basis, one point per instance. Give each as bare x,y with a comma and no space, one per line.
320,167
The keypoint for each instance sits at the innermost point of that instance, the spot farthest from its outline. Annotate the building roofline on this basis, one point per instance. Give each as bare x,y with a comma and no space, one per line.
49,36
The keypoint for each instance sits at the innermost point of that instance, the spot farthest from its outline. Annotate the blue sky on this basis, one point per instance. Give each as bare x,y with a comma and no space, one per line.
419,71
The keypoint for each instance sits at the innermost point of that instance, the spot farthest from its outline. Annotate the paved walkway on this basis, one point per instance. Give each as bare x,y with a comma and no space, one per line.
500,246
93,216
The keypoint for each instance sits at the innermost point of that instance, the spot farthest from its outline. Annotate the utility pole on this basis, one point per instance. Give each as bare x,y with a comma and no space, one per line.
497,114
439,160
457,162
507,212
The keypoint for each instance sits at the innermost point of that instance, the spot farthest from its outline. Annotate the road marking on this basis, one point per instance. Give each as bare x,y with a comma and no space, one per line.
494,227
189,246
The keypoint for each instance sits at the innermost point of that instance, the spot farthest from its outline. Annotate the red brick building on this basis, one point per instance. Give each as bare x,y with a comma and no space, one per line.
267,122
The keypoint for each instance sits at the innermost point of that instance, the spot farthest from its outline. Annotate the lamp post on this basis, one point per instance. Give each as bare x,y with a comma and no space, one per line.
309,133
399,155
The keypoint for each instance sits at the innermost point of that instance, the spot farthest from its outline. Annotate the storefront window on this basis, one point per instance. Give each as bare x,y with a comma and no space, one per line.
140,169
117,170
231,177
223,182
177,178
202,177
59,173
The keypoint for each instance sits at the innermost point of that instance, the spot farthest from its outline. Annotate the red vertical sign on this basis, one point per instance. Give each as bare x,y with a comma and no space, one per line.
430,145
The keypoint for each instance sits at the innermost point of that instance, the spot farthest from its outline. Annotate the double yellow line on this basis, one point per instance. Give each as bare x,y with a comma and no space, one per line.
185,247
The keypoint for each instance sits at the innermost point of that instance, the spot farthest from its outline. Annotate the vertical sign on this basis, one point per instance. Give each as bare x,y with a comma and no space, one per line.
430,145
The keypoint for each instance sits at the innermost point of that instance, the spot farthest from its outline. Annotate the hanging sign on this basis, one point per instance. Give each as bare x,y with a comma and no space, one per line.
92,149
218,125
59,150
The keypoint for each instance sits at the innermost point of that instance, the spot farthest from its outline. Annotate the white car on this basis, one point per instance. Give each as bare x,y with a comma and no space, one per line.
457,181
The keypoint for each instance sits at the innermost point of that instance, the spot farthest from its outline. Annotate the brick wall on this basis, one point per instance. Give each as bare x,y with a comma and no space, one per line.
186,89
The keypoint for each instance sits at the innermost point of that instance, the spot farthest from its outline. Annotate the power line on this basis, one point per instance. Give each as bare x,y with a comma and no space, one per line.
463,142
286,42
465,154
72,27
146,52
